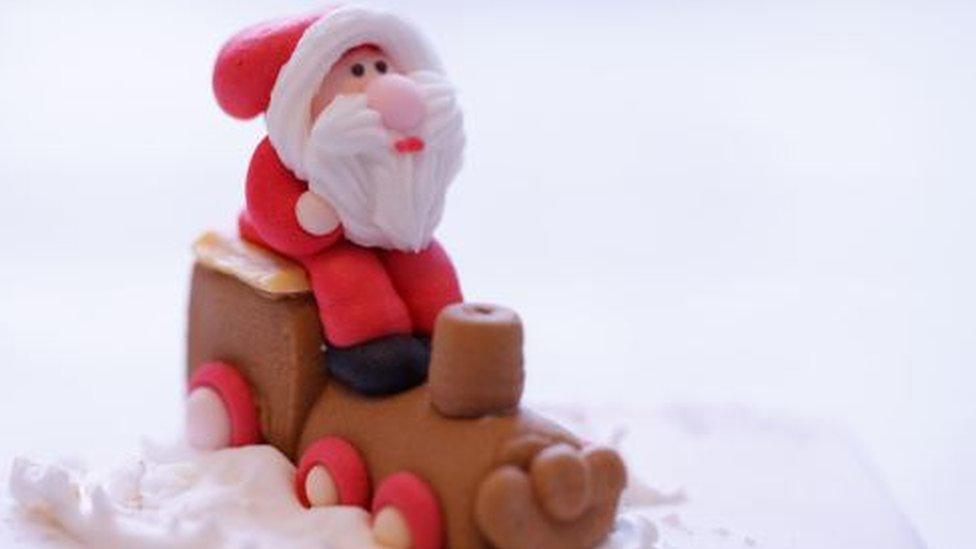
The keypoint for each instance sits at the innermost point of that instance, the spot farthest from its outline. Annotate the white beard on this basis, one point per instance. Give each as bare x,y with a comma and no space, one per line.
384,198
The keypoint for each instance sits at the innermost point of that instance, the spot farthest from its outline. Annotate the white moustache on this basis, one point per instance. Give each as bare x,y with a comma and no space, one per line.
385,198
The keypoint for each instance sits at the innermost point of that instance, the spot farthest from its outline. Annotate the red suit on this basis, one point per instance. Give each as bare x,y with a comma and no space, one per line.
362,293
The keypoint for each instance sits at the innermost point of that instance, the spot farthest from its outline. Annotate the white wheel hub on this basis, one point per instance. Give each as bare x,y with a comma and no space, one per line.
390,529
319,488
207,421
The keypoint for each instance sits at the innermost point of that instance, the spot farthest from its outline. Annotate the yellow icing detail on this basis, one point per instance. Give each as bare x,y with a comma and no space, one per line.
257,267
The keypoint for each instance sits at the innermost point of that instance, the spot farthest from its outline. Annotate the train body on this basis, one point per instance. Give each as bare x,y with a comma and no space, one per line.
506,479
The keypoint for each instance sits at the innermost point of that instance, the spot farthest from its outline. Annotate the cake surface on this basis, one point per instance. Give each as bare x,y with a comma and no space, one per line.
701,479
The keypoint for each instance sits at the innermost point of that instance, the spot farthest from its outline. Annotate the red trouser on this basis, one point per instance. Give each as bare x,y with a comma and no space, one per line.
365,293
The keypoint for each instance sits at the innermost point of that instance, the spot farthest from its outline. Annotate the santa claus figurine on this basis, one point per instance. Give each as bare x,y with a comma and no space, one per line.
364,137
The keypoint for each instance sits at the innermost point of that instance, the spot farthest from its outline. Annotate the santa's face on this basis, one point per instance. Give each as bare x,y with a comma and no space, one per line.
351,75
383,148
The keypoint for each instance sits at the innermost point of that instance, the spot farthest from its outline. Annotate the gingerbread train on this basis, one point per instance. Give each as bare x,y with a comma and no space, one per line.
333,327
457,458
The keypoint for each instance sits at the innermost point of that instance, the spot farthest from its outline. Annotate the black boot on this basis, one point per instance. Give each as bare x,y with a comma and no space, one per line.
383,366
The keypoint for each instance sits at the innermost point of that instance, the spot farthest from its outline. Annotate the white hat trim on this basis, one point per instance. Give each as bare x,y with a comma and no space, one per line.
288,117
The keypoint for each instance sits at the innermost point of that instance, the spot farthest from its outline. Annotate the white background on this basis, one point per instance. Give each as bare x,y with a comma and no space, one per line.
766,203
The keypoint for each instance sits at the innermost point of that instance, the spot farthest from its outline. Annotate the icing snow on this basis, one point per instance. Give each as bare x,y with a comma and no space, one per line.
239,497
699,479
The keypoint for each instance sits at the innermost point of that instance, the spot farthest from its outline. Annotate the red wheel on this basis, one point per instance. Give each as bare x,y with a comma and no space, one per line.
406,513
332,472
235,396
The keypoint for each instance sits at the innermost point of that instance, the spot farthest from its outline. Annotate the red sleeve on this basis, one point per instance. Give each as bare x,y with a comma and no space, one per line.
272,191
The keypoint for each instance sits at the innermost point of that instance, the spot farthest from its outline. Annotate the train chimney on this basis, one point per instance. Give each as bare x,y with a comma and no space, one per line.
476,366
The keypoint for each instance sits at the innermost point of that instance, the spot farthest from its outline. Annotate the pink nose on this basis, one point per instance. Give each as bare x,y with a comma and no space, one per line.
398,101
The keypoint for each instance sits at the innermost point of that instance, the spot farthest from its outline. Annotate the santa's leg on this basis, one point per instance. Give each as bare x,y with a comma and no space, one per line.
367,326
426,282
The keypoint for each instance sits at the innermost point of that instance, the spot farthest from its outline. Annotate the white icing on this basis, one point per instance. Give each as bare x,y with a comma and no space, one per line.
384,198
721,480
241,497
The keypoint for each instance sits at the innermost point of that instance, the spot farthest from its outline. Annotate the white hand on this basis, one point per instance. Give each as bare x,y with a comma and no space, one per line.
315,215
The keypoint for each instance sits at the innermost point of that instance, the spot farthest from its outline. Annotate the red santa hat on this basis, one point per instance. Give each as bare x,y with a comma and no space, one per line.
277,67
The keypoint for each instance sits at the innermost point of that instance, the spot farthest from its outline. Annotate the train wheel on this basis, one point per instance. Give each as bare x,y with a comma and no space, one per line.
332,472
406,514
220,410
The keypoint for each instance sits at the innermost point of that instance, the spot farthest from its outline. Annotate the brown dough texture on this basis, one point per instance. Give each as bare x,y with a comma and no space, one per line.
472,463
512,515
274,341
507,478
476,361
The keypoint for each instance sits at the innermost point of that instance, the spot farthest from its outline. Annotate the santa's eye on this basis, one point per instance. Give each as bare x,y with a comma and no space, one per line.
381,67
358,70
